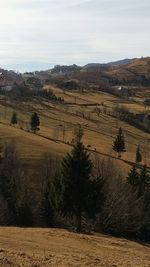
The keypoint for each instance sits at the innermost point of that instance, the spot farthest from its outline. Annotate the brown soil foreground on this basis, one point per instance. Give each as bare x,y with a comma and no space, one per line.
56,247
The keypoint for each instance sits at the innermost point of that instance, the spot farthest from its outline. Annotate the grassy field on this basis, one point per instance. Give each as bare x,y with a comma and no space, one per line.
58,122
56,247
53,247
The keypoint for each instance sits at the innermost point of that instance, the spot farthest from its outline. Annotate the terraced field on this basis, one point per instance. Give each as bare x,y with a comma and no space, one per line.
58,122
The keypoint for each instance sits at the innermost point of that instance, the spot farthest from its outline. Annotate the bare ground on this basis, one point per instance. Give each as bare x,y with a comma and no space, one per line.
56,247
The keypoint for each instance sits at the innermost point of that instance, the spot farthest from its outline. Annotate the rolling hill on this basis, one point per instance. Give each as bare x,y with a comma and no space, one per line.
58,122
134,71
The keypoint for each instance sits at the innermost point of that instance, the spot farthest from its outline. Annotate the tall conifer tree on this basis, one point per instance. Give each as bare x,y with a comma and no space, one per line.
14,120
119,143
81,193
133,177
35,122
138,155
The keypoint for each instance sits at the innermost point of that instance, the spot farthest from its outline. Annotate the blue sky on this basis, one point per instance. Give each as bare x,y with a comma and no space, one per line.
41,33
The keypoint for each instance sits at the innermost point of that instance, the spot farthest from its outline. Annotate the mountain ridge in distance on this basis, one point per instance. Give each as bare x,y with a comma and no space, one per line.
32,66
113,63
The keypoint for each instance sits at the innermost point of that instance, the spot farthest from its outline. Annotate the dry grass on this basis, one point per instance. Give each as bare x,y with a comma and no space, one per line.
99,132
133,70
31,146
53,247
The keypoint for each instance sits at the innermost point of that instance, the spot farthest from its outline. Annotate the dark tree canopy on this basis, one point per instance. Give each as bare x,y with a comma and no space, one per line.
133,177
119,143
14,118
138,155
144,181
140,181
80,194
19,212
35,122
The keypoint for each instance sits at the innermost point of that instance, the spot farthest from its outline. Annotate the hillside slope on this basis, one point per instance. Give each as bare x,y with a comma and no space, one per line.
53,247
134,71
58,122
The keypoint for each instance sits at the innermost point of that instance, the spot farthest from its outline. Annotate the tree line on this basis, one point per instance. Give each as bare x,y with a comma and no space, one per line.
80,192
26,91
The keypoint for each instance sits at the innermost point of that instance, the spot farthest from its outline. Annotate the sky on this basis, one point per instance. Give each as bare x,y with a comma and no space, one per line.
37,34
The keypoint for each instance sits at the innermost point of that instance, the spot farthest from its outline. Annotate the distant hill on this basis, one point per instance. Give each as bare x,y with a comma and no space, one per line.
101,65
134,71
137,71
121,62
129,72
94,66
29,66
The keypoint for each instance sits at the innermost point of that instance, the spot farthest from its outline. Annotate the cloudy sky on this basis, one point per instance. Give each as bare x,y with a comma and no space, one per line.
36,34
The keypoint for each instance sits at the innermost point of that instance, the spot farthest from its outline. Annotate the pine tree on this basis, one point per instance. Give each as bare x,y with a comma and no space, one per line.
49,203
9,175
14,119
78,133
80,192
133,177
24,216
51,191
35,122
144,191
144,181
119,143
138,155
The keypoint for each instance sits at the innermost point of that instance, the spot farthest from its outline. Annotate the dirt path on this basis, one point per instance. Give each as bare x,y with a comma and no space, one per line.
53,247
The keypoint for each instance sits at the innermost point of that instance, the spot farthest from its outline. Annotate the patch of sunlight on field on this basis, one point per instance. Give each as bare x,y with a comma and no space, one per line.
58,247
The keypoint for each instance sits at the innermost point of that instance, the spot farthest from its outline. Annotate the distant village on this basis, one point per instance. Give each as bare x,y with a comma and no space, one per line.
67,78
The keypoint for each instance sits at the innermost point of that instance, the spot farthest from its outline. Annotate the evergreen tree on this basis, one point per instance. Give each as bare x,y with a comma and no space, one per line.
133,177
24,216
96,197
49,204
51,195
78,133
119,143
35,122
14,119
144,181
9,176
144,191
138,155
12,188
80,192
